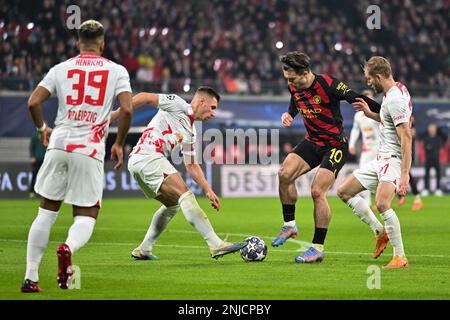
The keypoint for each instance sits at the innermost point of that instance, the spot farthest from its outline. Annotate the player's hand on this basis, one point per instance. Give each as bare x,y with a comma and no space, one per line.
117,153
403,185
352,150
215,203
45,135
361,105
286,120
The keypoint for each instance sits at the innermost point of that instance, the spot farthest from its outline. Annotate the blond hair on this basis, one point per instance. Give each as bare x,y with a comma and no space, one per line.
378,65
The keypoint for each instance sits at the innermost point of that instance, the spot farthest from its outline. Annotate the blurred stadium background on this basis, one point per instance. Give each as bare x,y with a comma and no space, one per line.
175,46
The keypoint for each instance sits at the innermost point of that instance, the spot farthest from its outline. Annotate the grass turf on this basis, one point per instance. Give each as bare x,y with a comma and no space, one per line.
186,271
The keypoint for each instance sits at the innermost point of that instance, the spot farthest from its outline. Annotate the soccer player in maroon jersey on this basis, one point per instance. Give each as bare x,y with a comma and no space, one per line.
317,98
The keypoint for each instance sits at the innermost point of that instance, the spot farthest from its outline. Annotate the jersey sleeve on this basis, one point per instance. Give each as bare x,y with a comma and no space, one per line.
399,111
123,81
354,134
172,103
188,146
293,110
49,81
340,91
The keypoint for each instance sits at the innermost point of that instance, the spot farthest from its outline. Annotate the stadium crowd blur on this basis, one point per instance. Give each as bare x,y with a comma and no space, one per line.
172,45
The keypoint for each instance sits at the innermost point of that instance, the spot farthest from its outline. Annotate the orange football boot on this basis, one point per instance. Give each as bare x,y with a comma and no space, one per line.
397,262
381,243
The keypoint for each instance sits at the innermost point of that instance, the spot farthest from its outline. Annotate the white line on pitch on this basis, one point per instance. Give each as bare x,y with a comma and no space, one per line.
204,247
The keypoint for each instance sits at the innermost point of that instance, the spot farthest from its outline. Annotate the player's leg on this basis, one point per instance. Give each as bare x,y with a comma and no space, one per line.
160,220
349,192
300,161
426,191
84,192
384,195
437,168
417,204
174,188
51,183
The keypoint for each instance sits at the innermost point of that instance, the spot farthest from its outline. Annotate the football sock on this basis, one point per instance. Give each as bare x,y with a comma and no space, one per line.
319,238
392,225
80,232
362,209
38,237
198,219
288,213
159,222
366,195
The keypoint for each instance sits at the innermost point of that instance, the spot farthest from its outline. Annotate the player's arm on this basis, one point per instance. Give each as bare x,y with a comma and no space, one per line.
37,98
195,171
354,135
405,135
341,91
288,117
361,105
125,113
152,99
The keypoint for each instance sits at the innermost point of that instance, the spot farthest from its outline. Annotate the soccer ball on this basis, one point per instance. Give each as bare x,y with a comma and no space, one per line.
255,250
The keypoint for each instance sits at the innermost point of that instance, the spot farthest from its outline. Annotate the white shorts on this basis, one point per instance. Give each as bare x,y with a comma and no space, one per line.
75,178
149,171
367,156
375,171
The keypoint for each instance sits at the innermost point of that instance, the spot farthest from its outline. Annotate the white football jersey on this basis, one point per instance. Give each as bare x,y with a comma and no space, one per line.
86,86
172,125
395,109
370,131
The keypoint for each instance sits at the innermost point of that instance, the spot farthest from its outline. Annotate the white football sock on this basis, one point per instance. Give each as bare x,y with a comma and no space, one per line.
80,232
392,225
195,216
361,208
38,237
366,195
159,222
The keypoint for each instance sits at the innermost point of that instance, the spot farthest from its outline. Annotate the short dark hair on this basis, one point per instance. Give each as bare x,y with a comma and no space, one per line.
209,91
296,61
90,30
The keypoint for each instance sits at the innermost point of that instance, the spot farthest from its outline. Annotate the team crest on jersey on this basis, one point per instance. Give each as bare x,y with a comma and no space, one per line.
317,99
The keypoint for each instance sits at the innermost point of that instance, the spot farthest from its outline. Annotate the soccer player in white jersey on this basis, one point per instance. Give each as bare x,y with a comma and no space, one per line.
389,172
158,179
370,132
73,166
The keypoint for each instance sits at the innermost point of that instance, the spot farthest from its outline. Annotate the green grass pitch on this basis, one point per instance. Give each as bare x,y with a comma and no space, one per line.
186,271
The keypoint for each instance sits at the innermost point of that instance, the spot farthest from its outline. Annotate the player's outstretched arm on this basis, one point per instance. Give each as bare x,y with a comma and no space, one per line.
196,172
361,105
354,135
342,92
125,114
405,135
37,98
152,99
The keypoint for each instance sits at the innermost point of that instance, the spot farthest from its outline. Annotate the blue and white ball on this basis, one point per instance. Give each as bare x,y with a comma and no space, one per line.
255,250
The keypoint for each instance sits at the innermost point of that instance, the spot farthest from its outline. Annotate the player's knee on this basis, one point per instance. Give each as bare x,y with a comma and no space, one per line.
317,193
342,194
284,176
383,205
